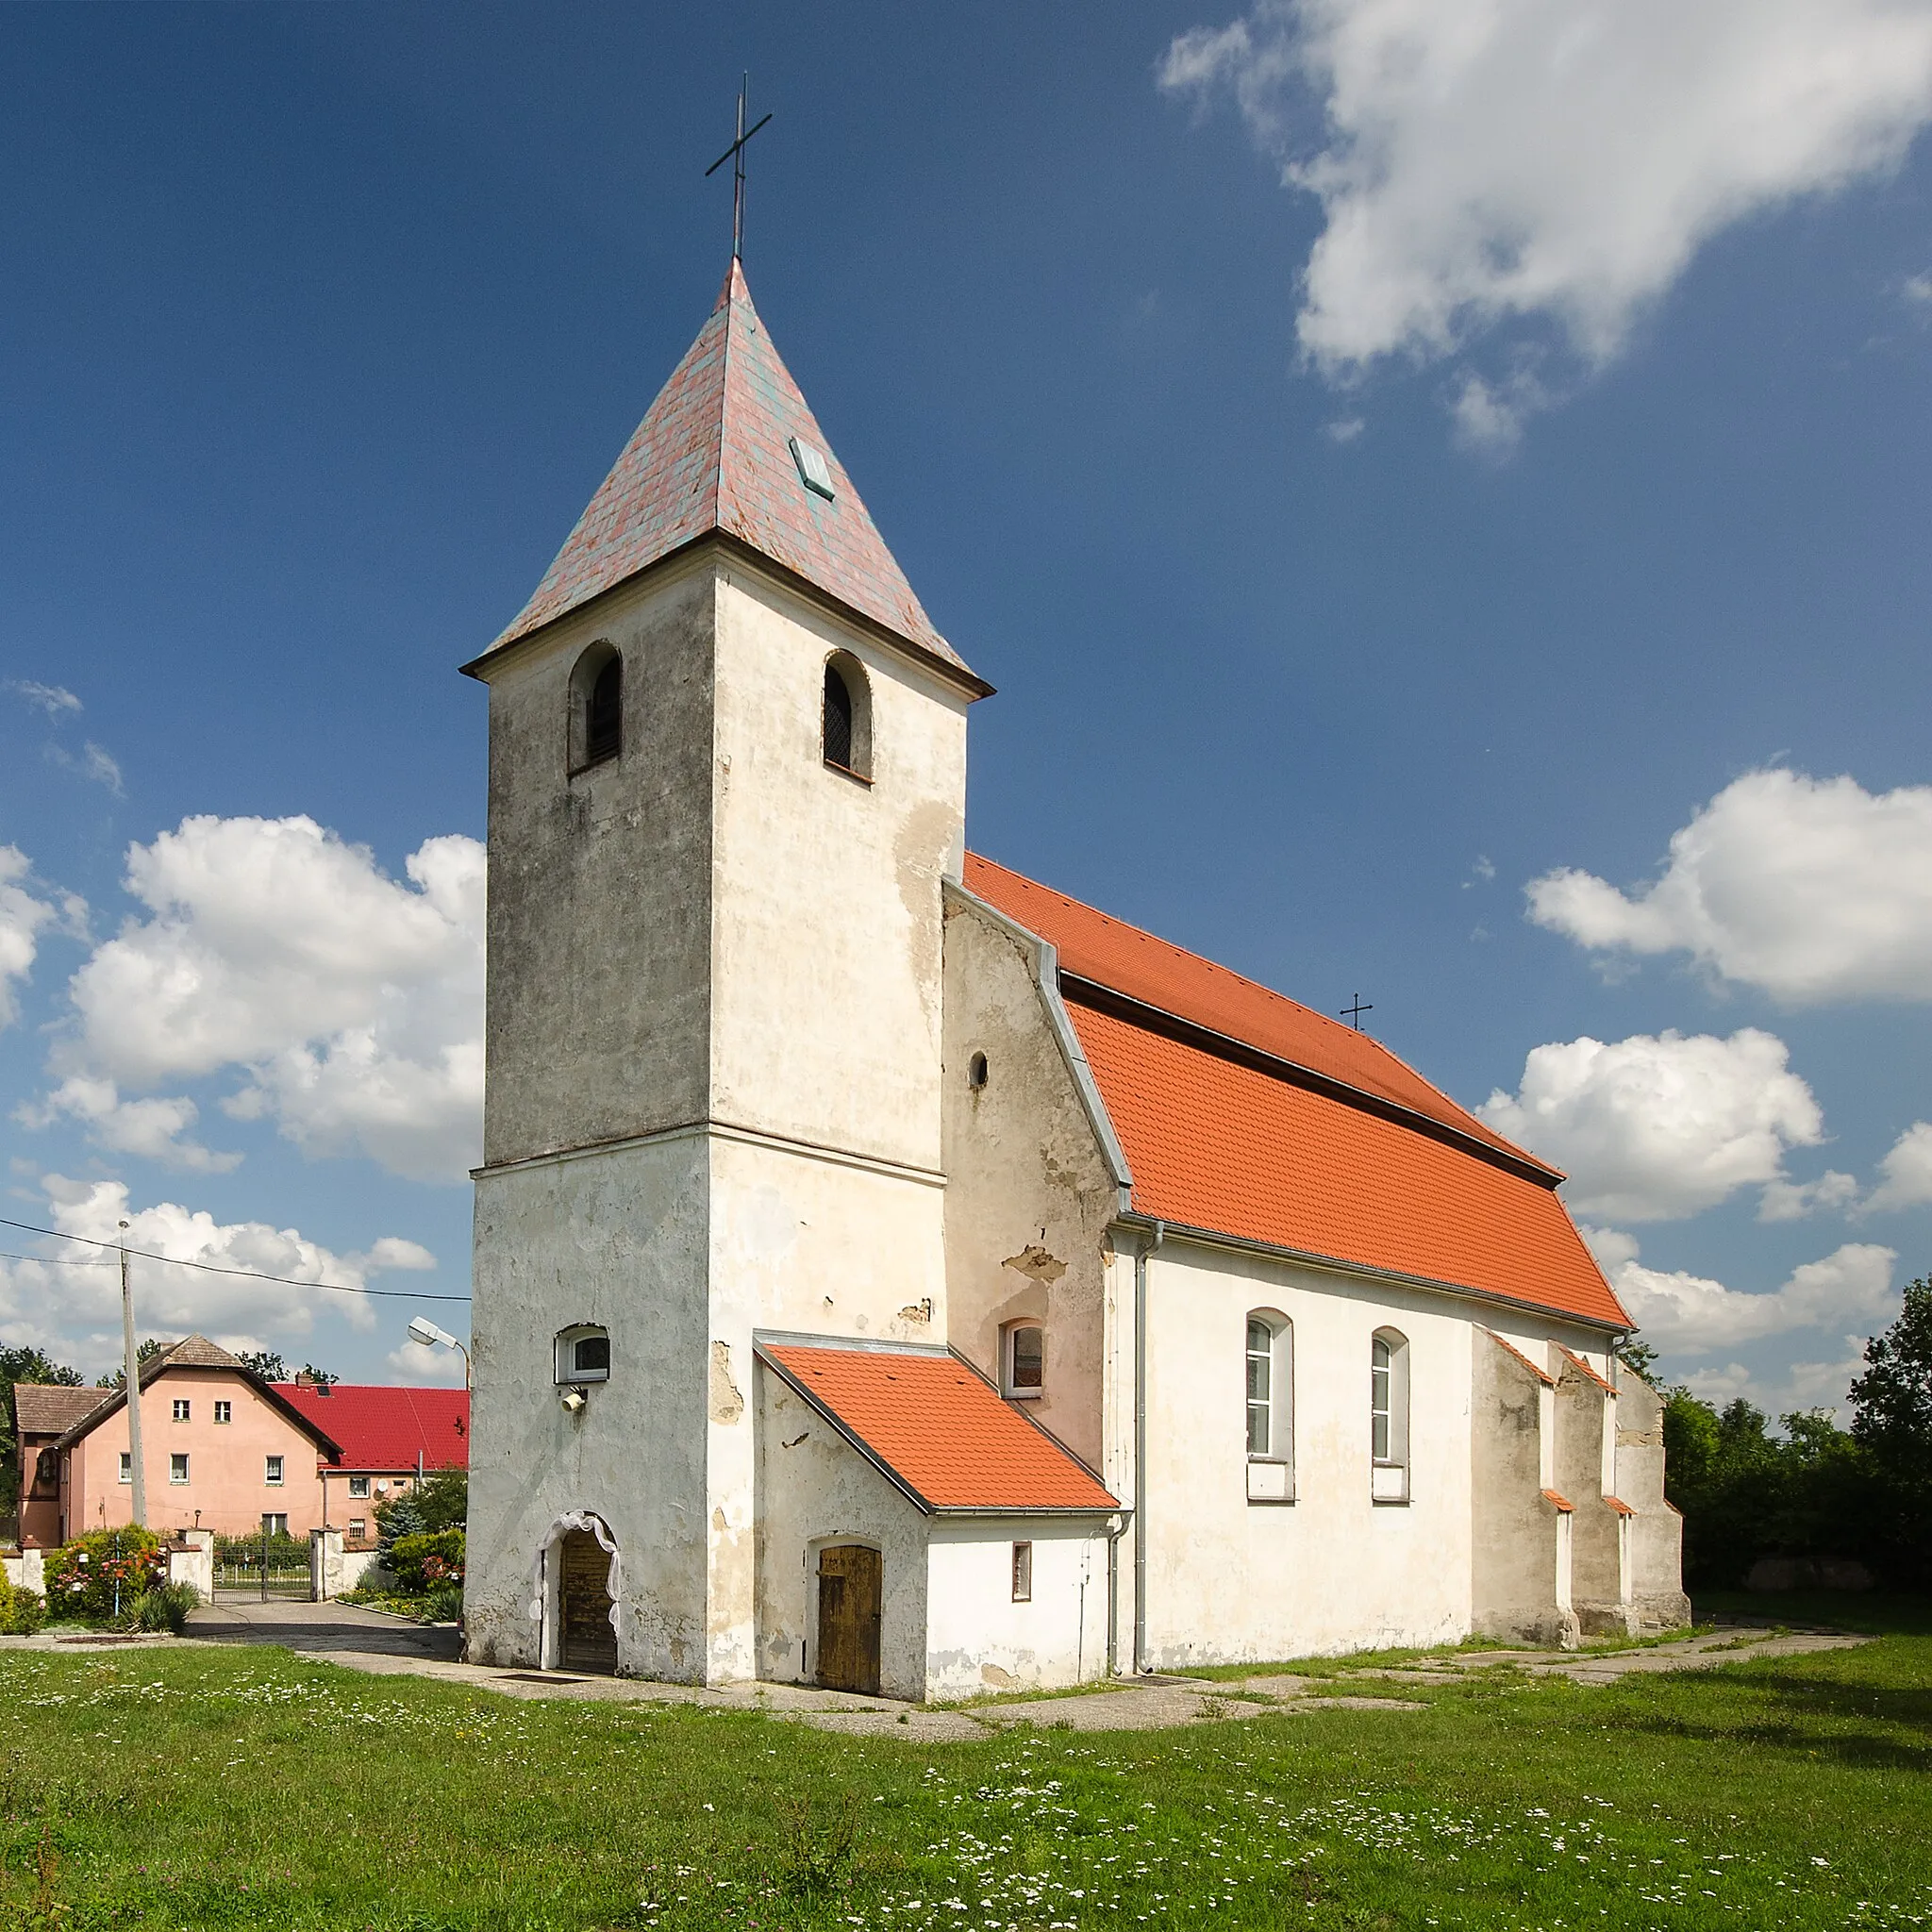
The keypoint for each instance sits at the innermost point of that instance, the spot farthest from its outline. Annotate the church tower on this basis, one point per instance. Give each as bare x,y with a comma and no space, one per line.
728,765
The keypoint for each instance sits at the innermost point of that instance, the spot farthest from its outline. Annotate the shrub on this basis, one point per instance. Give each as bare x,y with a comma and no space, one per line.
164,1608
22,1610
443,1603
421,1562
87,1576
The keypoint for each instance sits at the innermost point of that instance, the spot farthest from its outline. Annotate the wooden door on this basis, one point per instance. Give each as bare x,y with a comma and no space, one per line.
851,1589
583,1597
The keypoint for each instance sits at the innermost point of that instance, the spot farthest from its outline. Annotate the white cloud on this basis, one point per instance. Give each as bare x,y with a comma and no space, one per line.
1345,428
353,1002
1907,1171
1803,1385
154,1128
1917,290
77,1308
1680,1313
1515,162
1794,1200
22,914
425,1368
53,699
1653,1127
94,762
1811,890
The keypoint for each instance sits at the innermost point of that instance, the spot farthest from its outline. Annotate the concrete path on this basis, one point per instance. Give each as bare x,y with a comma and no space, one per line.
386,1646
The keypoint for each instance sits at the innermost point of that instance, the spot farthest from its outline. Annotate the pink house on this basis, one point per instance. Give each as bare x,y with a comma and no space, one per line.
222,1449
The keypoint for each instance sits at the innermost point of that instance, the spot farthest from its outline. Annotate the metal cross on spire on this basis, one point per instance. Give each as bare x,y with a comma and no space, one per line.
1355,1011
735,155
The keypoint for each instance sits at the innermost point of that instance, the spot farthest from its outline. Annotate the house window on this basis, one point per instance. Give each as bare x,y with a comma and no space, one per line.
358,1529
182,1408
224,1411
177,1469
597,707
583,1354
276,1525
848,717
1026,1361
127,1467
1023,1573
1270,1406
271,1471
1388,1415
358,1486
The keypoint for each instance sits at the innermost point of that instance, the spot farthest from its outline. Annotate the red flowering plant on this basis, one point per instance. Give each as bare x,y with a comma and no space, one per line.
104,1568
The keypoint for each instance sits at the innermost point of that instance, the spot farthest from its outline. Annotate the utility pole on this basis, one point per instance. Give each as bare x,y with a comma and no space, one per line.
133,1387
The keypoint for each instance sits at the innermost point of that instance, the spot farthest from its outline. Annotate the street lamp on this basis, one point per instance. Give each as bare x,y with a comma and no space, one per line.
428,1335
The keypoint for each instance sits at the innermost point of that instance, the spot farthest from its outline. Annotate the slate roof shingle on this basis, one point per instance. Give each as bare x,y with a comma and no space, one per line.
941,1430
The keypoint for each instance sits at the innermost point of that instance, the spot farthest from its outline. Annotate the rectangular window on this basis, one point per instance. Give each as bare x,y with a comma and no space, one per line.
278,1525
177,1469
358,1486
1380,1409
359,1528
1026,1359
1260,1379
127,1467
182,1407
224,1411
1023,1573
271,1471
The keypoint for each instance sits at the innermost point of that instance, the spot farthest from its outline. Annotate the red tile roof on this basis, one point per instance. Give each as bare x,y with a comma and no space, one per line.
387,1429
1112,953
1312,1160
713,453
940,1429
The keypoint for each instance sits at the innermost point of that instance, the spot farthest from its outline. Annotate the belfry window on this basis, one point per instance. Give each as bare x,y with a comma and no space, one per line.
847,717
583,1355
597,707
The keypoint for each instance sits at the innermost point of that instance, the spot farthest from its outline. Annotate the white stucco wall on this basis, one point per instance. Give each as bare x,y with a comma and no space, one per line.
980,1639
1229,1580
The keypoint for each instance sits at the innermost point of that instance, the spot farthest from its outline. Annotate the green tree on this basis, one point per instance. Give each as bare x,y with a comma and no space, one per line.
1891,1419
143,1355
442,1504
266,1363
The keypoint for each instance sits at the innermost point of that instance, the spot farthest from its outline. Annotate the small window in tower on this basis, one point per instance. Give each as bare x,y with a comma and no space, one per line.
813,470
847,729
1025,1363
597,707
583,1355
976,1071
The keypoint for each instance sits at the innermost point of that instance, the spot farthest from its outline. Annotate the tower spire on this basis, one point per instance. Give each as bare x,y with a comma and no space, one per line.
735,155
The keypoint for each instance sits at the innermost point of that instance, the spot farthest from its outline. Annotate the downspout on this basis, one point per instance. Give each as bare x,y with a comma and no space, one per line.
1141,1255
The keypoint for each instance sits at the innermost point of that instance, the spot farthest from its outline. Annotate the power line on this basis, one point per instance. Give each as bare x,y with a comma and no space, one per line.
53,1260
393,1295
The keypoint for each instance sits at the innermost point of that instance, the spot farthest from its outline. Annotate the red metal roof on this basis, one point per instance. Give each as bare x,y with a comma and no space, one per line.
387,1429
1111,953
940,1428
713,453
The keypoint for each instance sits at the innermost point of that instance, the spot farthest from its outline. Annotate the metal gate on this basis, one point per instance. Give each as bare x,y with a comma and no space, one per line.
284,1580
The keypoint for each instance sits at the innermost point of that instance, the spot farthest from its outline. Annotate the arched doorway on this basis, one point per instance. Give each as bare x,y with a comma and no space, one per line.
578,1573
851,1597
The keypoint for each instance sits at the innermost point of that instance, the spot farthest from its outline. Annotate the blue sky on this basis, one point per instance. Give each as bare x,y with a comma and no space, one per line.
1371,497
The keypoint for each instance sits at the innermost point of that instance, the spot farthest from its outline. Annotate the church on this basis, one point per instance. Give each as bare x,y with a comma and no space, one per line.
893,1274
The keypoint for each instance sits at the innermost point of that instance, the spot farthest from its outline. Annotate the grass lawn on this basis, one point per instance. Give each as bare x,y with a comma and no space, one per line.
193,1787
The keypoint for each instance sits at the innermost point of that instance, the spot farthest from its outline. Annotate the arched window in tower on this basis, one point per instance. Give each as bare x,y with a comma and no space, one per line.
848,717
597,707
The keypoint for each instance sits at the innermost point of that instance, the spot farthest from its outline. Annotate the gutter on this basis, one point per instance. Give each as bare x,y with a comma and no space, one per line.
1147,1247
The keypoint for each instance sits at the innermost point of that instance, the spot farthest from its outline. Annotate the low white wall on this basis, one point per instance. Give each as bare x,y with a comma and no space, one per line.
978,1639
196,1565
28,1569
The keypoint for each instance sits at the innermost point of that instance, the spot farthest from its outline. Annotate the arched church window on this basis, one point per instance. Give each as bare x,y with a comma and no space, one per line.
1388,1415
848,717
1270,1406
1023,1369
597,707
